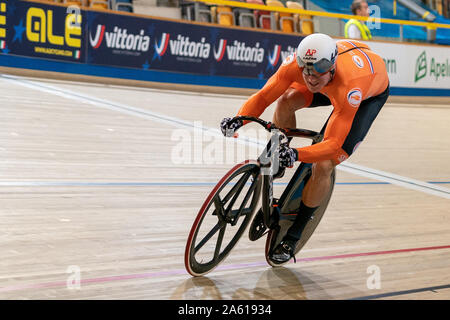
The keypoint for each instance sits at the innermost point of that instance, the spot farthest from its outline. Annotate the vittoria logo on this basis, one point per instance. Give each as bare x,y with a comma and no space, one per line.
286,53
182,46
97,41
220,52
288,56
354,97
239,51
161,47
274,57
120,39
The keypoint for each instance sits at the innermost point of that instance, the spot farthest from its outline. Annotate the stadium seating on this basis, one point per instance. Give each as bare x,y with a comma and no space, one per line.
122,5
187,10
244,17
263,18
303,23
224,16
284,20
79,3
99,4
197,11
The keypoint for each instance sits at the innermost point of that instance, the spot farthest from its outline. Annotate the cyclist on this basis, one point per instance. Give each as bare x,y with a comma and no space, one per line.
322,72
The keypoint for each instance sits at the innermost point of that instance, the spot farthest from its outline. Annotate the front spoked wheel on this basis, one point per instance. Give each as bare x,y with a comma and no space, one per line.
223,218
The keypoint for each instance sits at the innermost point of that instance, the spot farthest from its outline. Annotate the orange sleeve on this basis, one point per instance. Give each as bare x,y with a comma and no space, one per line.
272,90
308,95
338,127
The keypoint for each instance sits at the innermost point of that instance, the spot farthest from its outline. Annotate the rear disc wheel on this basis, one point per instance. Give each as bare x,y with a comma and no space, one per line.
275,236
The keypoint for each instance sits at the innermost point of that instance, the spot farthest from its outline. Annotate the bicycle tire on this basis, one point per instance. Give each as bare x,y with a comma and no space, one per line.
275,235
245,171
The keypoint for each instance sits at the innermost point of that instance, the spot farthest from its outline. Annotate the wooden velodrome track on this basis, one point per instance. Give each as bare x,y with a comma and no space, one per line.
100,184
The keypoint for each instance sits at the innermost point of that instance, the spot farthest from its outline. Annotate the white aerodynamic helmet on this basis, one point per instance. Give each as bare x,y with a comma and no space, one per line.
317,52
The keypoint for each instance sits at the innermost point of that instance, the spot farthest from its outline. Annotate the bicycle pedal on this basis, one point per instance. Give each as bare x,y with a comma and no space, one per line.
257,233
257,228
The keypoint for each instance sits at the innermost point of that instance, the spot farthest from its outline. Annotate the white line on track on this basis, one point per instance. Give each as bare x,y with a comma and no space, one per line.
172,121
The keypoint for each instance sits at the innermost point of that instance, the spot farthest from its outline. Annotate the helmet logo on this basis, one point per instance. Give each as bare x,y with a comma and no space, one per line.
310,52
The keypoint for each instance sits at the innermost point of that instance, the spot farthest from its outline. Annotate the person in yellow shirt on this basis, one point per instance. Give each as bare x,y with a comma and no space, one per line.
357,29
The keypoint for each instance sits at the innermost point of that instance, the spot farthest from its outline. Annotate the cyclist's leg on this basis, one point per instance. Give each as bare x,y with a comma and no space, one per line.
318,184
315,189
295,98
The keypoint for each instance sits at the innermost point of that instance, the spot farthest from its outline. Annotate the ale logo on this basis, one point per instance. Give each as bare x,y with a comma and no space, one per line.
3,25
421,67
40,27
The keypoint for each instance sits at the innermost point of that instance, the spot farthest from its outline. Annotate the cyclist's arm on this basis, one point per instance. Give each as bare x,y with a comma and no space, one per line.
272,90
338,127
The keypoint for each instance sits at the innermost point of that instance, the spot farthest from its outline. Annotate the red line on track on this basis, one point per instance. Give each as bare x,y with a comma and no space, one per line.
62,284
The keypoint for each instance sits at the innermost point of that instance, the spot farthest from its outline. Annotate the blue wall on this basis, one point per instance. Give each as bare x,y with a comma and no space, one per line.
135,48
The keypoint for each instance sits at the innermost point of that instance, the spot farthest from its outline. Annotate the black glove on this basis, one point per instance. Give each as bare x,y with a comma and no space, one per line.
229,128
287,156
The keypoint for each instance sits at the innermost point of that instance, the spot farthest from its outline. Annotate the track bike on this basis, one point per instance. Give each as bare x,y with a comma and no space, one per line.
230,206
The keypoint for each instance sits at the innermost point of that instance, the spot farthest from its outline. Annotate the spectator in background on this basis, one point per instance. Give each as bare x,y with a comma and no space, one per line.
446,9
357,29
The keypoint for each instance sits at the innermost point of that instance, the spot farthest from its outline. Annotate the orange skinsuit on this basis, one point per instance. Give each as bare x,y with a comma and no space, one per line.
360,74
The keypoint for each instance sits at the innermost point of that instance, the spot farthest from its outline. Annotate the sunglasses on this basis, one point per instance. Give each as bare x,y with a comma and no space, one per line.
322,66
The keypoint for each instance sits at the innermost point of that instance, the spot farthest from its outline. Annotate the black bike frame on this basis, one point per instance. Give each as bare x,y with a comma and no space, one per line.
269,204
